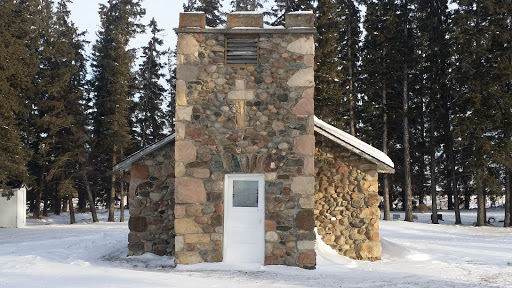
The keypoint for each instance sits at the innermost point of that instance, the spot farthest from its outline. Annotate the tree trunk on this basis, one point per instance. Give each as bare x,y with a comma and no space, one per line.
65,207
450,195
407,159
480,220
46,203
112,196
71,210
506,222
351,100
121,202
485,202
452,181
456,202
433,182
423,163
56,203
385,182
467,197
82,199
91,199
31,205
453,187
45,208
456,207
407,152
39,193
510,199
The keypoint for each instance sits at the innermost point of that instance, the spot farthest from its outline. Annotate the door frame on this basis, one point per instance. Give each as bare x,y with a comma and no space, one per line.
228,205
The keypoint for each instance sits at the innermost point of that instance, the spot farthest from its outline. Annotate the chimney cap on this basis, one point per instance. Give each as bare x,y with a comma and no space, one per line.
244,19
192,20
247,22
300,19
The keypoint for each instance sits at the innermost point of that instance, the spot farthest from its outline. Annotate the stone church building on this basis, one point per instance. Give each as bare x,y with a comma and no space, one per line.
250,171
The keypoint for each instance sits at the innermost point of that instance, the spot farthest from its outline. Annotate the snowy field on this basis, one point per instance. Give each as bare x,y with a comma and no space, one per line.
51,253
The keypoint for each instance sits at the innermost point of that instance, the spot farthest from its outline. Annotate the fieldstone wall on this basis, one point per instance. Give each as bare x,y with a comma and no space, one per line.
151,200
346,201
245,119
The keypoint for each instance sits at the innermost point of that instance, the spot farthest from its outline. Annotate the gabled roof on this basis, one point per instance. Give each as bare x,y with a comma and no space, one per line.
374,155
384,163
127,162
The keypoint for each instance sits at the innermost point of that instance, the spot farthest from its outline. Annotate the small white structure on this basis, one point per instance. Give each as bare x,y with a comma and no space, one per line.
13,211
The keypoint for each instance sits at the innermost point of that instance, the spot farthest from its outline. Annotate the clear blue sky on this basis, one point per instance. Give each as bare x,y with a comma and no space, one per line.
166,12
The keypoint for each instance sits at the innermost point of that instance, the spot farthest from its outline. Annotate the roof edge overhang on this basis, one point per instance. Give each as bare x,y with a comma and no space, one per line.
374,155
126,163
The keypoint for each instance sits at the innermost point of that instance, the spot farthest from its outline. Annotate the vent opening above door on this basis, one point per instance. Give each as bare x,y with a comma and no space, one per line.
242,51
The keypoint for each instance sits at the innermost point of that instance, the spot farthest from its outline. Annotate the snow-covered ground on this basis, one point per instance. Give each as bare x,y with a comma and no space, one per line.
51,253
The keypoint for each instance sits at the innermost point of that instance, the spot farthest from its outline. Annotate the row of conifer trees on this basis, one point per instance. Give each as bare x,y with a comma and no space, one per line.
67,117
427,82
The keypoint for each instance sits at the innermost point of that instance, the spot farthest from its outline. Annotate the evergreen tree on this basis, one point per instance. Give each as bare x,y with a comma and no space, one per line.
45,83
432,73
55,123
348,51
446,128
111,83
406,43
150,115
16,71
247,5
40,20
500,24
65,119
328,74
171,80
285,6
379,59
337,57
478,51
212,9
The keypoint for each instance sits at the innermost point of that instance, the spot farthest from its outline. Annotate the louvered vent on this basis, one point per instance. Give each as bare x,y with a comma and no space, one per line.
242,51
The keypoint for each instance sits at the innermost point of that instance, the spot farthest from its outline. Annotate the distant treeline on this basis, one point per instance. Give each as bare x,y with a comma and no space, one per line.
427,82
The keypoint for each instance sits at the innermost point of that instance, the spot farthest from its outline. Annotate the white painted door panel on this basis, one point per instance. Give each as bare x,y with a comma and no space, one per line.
244,218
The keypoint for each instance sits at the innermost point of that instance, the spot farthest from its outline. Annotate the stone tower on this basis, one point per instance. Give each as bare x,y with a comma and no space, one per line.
245,140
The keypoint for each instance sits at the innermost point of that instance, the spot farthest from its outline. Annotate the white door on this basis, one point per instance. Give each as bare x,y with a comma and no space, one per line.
244,215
